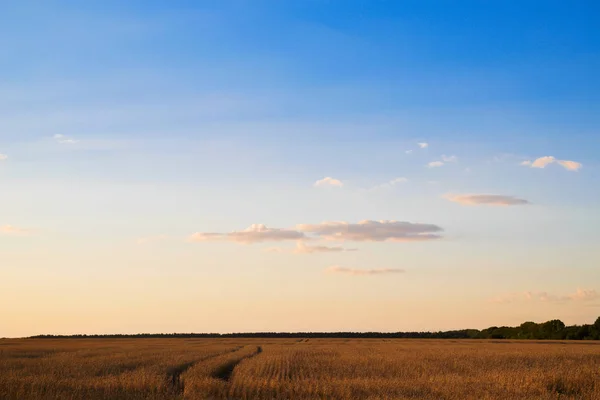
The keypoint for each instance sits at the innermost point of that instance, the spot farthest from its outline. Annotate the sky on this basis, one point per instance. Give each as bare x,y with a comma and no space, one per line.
302,165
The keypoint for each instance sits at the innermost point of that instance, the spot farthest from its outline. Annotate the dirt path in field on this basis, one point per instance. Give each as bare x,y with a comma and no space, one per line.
174,380
225,371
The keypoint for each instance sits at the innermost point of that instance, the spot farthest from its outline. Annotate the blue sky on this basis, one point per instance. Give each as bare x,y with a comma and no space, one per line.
125,129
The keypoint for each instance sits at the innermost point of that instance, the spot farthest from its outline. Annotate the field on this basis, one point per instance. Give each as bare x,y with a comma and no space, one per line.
297,369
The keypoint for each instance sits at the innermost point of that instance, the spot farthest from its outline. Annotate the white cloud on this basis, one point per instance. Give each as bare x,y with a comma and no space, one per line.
391,183
408,151
398,180
3,157
13,230
256,233
373,231
336,269
446,158
435,164
542,162
328,181
423,145
485,199
580,295
64,140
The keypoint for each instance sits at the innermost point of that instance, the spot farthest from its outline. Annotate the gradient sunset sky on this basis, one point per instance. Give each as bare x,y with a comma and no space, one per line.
301,165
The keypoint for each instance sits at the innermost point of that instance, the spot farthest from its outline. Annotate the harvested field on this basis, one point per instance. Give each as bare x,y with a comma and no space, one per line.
297,369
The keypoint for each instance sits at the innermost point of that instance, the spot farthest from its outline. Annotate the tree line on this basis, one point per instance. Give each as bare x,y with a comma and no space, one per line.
550,330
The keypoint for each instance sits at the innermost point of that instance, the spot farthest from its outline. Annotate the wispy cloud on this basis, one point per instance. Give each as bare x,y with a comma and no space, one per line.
580,295
391,183
328,181
13,230
62,139
444,160
364,231
336,269
485,199
256,233
303,248
451,159
373,231
3,157
542,162
408,151
423,145
435,164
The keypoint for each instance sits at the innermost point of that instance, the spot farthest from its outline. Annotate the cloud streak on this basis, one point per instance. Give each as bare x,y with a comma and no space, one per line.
303,248
13,230
3,157
363,231
580,295
423,145
543,162
373,231
486,200
336,269
328,181
62,139
390,184
449,159
435,164
256,233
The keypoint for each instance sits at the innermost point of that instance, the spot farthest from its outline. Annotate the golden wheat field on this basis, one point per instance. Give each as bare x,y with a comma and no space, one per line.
297,369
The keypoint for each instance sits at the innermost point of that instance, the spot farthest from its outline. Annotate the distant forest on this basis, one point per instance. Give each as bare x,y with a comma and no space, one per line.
550,330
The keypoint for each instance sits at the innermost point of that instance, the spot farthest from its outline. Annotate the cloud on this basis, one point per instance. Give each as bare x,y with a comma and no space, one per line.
3,157
570,165
446,158
64,140
542,162
435,164
364,231
13,230
408,151
302,248
373,231
336,269
391,183
485,199
580,295
423,145
584,295
398,180
256,233
328,181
